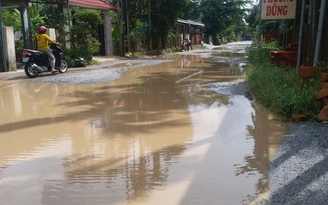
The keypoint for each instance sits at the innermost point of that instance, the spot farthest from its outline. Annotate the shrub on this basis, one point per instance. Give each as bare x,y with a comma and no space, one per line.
278,88
73,58
282,91
83,41
258,54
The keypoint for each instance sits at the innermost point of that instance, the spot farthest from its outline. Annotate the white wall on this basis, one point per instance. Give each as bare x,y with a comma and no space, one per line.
10,48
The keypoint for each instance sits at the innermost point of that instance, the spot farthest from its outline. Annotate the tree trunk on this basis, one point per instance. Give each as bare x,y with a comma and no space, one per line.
144,33
137,45
150,47
120,13
128,30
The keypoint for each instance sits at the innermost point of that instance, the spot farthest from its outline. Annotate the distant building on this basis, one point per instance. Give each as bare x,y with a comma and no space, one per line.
196,1
190,29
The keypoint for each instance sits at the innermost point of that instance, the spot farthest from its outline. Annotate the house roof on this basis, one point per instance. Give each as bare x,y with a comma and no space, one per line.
92,4
194,23
13,3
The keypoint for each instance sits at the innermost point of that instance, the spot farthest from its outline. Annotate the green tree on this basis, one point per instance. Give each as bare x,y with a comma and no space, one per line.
191,10
253,17
35,17
164,14
132,17
218,15
83,42
11,17
156,19
54,19
229,34
242,30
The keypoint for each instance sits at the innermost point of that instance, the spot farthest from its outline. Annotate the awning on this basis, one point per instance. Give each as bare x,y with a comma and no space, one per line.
13,3
92,4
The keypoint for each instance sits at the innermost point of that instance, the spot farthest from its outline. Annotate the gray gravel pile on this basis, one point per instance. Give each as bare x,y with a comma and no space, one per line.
299,170
97,75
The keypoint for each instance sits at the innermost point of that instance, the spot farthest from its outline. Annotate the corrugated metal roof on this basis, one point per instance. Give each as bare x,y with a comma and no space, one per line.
185,21
92,4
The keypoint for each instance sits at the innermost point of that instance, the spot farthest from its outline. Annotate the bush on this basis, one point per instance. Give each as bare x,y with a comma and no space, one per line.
282,91
82,41
258,54
73,58
278,88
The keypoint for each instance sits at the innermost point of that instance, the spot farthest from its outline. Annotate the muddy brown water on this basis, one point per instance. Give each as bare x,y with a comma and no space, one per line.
167,134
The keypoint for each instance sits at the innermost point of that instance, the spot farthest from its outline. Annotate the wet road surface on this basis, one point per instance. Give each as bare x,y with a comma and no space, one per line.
178,132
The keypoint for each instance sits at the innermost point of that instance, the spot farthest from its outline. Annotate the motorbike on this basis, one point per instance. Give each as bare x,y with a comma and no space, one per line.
183,45
38,62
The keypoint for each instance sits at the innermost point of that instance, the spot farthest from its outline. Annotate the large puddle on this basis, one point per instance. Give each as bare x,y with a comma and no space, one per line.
173,134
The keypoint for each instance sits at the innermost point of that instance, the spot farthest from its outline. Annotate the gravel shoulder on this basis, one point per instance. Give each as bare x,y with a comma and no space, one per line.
108,69
299,170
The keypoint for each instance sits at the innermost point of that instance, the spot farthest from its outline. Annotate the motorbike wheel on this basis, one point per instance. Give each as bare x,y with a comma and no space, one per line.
63,66
30,71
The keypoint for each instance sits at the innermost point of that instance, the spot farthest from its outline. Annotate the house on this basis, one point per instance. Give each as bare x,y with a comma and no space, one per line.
23,6
191,29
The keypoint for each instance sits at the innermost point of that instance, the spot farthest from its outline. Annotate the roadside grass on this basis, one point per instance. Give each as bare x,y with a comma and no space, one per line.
280,89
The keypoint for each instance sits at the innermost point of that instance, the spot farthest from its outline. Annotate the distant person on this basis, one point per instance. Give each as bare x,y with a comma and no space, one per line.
43,45
183,45
188,43
203,44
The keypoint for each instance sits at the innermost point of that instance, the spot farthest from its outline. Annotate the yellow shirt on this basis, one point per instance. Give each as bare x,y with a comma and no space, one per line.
43,41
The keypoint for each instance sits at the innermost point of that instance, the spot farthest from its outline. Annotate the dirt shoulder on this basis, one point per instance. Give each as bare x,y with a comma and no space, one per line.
103,61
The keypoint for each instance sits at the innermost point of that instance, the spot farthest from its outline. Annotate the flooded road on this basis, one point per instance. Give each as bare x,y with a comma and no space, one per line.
176,133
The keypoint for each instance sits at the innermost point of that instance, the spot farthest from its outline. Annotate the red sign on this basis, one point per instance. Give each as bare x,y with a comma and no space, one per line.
278,9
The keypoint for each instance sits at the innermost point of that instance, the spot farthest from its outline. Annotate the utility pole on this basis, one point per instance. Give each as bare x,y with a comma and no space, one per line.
300,36
319,33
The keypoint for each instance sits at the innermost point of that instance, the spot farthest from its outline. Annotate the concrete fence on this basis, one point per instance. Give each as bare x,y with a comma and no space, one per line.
10,48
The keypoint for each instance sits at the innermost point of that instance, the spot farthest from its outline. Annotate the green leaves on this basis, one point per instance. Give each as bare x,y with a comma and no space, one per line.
82,40
11,17
281,90
53,18
218,15
164,14
88,17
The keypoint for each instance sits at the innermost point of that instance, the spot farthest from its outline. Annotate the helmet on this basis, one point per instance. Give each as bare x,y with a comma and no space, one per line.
42,28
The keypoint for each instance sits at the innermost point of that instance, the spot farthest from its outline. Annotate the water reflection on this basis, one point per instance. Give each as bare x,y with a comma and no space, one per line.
266,135
157,133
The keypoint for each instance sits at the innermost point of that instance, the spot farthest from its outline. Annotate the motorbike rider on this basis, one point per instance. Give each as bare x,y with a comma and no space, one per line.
43,45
